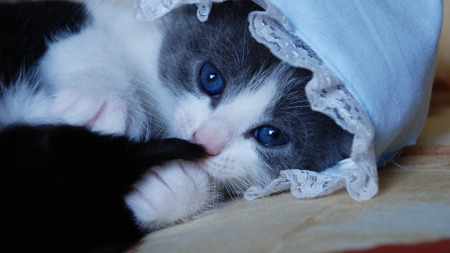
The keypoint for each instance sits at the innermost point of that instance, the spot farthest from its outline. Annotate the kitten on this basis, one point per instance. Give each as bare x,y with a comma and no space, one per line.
245,106
210,83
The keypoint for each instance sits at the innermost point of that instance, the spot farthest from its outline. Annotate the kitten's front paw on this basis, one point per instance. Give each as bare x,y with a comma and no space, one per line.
99,112
174,192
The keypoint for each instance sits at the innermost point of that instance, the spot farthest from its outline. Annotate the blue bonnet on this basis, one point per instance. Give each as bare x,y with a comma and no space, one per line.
373,63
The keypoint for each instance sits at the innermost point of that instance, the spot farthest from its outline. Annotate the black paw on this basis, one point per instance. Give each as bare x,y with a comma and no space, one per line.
163,150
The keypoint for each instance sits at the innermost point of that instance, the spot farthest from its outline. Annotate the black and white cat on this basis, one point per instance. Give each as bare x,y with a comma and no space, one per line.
102,74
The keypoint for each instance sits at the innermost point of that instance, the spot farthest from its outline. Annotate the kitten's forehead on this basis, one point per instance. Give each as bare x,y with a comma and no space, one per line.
224,41
246,110
254,78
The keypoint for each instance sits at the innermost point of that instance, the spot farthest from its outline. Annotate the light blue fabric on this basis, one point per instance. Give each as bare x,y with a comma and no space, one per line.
384,51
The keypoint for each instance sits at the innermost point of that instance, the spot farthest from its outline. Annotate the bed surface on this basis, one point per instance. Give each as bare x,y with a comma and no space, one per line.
413,206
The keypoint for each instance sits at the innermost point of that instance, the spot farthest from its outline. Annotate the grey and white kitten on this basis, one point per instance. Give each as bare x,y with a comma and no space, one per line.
245,106
207,82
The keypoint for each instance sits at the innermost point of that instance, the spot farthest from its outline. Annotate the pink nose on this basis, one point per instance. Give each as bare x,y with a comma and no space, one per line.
213,135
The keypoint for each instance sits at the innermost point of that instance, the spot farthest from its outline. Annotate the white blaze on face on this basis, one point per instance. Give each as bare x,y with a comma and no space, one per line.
226,131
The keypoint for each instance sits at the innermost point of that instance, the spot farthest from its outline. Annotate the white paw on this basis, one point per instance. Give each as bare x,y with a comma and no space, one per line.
98,111
171,193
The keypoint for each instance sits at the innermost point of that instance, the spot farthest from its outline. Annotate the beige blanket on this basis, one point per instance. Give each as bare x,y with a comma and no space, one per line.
413,206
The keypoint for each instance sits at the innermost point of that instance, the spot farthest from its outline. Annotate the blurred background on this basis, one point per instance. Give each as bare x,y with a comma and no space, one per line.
441,87
443,69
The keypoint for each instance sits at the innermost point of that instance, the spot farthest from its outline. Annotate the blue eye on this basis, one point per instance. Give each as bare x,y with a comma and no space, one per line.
211,80
270,136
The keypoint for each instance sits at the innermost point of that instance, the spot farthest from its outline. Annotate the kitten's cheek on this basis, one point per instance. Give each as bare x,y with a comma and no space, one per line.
188,115
183,124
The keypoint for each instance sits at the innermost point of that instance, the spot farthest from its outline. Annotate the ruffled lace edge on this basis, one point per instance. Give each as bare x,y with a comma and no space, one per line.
154,9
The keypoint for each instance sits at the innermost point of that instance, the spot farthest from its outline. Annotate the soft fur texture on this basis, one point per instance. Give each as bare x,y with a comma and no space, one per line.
63,186
259,91
108,73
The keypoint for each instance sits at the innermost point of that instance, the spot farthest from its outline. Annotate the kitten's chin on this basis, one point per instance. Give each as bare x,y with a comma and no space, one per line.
228,169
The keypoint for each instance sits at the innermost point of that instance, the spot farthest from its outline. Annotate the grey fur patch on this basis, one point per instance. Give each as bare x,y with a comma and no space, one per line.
316,142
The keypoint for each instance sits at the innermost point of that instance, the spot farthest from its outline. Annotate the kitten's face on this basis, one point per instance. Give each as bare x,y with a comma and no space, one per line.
236,99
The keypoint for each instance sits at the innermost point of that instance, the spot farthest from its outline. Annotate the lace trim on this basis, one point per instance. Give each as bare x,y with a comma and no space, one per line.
326,93
153,9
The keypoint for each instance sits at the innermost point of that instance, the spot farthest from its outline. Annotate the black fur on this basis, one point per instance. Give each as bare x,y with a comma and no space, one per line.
26,27
62,187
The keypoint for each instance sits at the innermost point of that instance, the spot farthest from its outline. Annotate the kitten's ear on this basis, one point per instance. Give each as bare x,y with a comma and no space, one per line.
159,151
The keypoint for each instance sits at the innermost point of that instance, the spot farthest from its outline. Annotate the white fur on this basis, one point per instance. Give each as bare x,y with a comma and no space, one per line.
225,131
105,78
171,193
182,191
23,103
106,66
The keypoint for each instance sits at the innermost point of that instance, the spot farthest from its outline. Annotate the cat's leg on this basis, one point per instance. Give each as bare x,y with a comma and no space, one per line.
63,187
104,102
174,192
97,110
86,156
91,79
